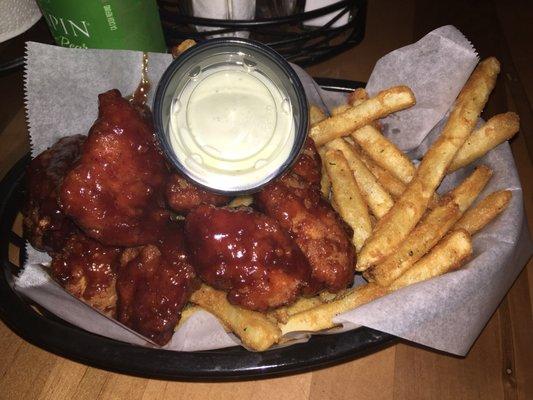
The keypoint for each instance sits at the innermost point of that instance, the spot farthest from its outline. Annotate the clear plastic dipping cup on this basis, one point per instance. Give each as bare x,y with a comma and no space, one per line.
231,115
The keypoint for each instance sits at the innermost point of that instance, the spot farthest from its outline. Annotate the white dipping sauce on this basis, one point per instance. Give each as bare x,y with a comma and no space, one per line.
231,127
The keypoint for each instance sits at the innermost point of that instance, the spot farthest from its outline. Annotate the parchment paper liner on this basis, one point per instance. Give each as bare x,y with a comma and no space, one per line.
446,313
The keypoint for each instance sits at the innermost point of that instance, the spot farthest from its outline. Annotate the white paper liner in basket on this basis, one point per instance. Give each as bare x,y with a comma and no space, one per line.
446,313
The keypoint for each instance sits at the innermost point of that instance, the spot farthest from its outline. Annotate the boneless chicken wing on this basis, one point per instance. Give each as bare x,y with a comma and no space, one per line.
87,269
45,225
308,164
115,191
295,202
154,283
183,196
247,254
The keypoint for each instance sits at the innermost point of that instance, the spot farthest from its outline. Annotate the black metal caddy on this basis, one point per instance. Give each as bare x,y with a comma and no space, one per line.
292,35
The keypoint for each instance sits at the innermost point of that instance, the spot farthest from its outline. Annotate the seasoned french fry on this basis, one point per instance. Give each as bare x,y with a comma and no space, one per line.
393,185
355,98
497,130
392,229
326,296
316,114
340,109
449,254
282,314
467,191
485,211
320,317
325,183
185,45
384,153
186,313
254,329
431,229
426,235
348,199
376,197
462,121
189,310
386,102
241,201
358,96
390,183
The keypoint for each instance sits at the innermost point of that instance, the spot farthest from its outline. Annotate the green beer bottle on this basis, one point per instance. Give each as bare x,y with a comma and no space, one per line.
105,24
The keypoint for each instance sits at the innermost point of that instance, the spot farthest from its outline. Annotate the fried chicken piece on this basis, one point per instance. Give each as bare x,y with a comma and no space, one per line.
309,165
246,254
87,269
154,283
183,196
295,202
45,225
115,192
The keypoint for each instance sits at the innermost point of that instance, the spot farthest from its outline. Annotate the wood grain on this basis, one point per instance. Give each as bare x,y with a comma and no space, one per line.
15,143
500,364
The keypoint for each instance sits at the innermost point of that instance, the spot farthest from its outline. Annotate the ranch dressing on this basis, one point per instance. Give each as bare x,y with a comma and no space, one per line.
231,126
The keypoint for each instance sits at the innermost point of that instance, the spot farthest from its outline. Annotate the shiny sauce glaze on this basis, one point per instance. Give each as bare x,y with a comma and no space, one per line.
247,254
182,196
45,225
308,164
115,192
295,202
154,283
139,98
140,95
87,269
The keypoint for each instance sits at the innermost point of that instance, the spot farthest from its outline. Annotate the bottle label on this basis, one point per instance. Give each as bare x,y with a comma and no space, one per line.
105,24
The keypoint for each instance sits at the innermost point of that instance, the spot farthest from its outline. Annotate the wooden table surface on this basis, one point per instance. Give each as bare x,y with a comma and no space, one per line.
500,364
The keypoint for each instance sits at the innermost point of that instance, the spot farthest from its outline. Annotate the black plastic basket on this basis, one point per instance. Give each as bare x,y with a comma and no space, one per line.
289,35
42,328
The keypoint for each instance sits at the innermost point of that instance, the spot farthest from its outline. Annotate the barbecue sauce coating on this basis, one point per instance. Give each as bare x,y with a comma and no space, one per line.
247,254
295,202
45,225
87,269
182,196
154,283
308,165
115,192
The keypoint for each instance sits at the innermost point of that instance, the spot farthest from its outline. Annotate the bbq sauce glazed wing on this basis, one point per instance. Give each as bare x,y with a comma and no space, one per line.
115,190
247,254
154,283
45,225
295,202
87,269
183,196
309,165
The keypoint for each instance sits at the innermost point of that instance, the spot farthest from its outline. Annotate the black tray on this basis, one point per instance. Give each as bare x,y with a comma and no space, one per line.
47,331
